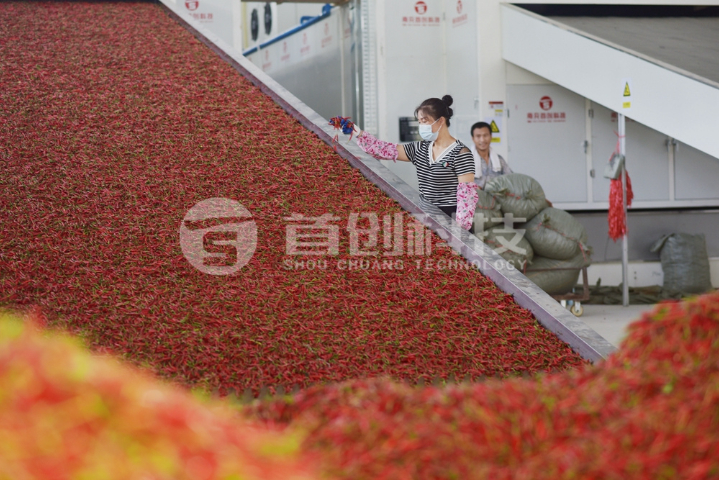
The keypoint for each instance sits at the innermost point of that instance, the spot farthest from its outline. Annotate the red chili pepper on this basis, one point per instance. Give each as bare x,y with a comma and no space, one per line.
107,147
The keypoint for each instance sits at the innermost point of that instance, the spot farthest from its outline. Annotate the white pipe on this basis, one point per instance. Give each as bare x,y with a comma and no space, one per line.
625,247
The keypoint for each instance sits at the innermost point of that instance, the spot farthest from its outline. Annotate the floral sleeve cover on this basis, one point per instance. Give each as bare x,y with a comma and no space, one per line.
467,197
377,148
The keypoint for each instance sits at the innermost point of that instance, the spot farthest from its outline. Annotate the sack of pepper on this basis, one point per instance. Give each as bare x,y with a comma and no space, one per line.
547,244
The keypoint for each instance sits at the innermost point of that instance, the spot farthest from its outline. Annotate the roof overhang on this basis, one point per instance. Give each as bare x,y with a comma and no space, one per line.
669,99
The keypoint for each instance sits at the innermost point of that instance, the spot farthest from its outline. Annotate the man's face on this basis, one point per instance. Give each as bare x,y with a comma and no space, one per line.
482,137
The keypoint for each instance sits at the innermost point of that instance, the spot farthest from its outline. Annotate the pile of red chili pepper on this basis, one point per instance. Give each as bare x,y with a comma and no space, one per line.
650,411
114,122
67,414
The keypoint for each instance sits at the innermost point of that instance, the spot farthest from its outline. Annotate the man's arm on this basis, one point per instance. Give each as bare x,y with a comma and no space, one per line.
505,166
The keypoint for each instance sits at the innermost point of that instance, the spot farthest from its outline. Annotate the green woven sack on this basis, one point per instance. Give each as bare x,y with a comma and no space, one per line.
510,244
556,281
556,234
518,194
685,262
488,212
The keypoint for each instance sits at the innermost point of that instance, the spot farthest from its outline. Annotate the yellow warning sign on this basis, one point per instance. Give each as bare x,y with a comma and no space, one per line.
627,92
495,126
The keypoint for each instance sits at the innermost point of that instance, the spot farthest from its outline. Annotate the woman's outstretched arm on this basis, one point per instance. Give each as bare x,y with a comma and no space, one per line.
379,148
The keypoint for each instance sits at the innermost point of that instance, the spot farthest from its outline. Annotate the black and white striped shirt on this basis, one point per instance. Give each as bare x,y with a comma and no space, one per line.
438,181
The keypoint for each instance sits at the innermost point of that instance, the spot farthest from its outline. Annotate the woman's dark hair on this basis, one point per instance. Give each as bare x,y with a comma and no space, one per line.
435,108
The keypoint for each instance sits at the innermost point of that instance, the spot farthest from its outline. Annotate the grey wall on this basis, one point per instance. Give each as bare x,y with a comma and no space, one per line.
644,228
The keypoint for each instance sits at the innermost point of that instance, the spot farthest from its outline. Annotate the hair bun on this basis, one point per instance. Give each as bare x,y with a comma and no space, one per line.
447,100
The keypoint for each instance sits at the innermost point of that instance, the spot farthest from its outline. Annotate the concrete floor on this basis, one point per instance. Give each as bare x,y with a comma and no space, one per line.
610,321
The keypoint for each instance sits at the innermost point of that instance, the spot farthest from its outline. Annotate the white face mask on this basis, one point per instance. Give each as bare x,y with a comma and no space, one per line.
425,131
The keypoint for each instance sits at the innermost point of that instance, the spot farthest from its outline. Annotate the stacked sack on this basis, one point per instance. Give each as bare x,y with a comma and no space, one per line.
543,238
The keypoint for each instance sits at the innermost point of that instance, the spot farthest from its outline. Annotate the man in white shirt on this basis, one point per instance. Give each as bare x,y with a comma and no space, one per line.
487,164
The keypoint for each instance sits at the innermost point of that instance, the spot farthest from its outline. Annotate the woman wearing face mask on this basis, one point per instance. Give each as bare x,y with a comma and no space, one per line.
445,167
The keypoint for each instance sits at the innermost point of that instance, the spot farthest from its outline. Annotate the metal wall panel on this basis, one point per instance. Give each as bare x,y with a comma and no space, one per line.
315,64
410,66
350,63
315,75
215,15
696,174
413,58
647,227
462,66
647,157
546,139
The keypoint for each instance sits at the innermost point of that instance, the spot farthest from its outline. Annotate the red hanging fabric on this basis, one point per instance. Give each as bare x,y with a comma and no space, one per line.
617,220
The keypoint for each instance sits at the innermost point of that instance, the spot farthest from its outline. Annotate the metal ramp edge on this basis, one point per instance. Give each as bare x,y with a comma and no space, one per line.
548,312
